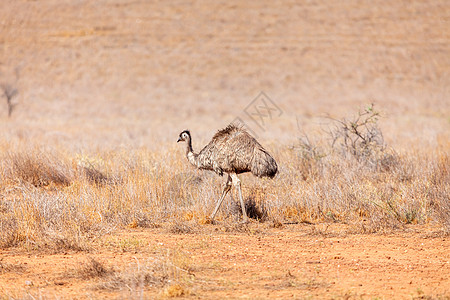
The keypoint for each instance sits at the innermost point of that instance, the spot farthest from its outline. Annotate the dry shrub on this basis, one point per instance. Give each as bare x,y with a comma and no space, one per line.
96,169
164,270
360,138
356,179
132,279
138,276
92,268
37,169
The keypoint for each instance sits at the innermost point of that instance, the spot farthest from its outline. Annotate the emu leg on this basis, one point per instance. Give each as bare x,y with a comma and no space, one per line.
237,183
226,189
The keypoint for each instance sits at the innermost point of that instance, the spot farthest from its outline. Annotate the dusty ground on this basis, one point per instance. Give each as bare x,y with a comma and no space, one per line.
136,73
298,261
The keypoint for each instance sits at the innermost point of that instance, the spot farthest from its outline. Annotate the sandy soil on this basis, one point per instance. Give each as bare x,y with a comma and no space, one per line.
297,261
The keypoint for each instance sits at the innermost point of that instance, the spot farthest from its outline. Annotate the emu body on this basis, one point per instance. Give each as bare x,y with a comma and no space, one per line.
233,151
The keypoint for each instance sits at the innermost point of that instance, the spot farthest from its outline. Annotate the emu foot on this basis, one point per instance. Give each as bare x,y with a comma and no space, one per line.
245,220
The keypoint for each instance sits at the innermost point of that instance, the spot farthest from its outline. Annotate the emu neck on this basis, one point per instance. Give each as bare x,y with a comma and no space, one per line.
191,156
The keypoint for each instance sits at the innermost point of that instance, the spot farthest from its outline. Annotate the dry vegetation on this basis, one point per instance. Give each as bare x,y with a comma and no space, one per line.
161,271
62,201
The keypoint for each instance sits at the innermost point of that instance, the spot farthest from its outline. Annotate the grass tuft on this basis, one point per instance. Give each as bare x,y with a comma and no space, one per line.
38,170
92,268
6,267
179,227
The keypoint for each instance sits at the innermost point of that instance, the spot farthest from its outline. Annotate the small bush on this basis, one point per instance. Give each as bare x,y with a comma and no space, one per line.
37,169
361,138
92,268
155,272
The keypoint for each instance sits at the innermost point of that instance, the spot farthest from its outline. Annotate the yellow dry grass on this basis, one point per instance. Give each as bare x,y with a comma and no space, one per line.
52,202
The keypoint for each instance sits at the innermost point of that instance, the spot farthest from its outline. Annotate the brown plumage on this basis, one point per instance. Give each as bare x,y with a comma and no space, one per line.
233,151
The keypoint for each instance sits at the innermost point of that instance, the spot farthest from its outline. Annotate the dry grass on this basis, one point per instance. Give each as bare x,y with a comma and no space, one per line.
167,272
9,267
178,227
92,268
175,290
38,170
48,201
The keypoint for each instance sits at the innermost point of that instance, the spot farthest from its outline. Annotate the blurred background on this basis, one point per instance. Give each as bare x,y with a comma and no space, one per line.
113,74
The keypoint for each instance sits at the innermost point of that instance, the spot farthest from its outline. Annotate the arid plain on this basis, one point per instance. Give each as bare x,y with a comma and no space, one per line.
98,201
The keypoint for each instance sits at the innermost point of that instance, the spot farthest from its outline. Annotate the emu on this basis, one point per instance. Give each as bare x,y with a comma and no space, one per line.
233,151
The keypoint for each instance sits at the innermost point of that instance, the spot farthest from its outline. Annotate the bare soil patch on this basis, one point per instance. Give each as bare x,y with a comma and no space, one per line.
260,263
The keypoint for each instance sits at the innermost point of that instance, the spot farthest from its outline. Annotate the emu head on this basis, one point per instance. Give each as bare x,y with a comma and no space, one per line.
185,136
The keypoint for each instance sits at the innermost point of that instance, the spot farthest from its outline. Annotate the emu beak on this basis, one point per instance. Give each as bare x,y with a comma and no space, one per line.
179,140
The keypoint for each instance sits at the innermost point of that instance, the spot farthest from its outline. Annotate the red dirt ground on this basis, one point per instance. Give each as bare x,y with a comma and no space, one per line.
293,262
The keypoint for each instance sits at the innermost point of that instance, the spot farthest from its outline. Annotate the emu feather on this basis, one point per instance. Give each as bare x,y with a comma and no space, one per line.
232,150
